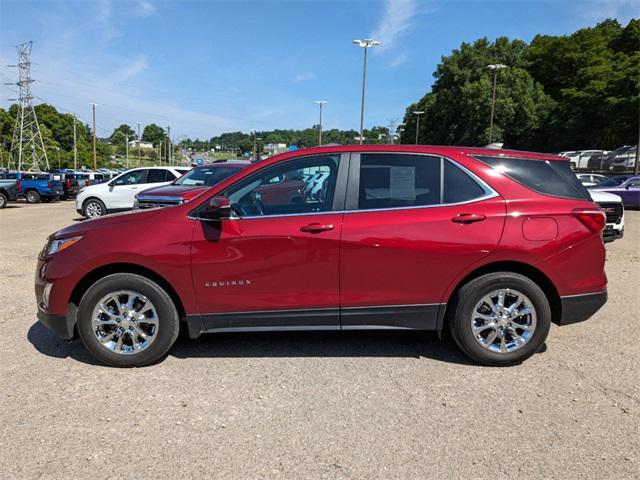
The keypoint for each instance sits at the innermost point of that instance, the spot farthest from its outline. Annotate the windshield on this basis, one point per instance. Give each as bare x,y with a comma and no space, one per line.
612,182
207,176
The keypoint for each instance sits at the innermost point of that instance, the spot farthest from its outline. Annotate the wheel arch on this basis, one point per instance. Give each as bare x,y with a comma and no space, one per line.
534,274
123,267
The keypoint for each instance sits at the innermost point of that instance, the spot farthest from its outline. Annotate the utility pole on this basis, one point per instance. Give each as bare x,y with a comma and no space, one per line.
169,159
75,146
636,168
254,153
58,150
160,151
495,68
94,136
126,148
417,113
367,43
26,133
138,142
320,104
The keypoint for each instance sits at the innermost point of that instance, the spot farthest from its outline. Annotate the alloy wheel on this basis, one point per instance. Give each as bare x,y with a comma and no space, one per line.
125,322
503,321
93,210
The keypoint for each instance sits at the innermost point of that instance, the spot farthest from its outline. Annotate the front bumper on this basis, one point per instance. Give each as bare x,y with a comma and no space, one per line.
578,308
62,326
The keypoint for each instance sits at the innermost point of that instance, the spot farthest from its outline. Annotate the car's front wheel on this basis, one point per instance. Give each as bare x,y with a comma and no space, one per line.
127,320
3,200
500,319
94,208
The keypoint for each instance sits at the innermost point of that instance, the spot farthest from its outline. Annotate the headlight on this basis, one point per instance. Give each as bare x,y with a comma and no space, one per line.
57,245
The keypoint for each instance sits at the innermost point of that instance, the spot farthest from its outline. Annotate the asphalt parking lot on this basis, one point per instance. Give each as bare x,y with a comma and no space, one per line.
316,405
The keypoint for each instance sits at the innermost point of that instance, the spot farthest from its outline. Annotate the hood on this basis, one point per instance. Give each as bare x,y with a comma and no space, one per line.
186,192
601,196
106,221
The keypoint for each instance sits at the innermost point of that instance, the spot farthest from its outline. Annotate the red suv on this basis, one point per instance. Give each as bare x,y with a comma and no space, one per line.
492,244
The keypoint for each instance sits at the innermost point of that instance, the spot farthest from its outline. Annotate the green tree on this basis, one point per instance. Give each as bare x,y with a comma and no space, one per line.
124,130
154,134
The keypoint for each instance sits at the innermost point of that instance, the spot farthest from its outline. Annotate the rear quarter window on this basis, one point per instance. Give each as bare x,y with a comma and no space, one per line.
549,177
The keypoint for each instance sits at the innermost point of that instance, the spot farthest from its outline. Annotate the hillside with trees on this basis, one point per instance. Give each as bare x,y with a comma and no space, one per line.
558,92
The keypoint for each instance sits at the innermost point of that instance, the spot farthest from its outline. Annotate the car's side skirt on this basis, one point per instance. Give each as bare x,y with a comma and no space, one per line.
388,317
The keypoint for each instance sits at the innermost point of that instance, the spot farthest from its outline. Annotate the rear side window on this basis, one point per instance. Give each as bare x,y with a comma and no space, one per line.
399,180
553,178
159,175
388,181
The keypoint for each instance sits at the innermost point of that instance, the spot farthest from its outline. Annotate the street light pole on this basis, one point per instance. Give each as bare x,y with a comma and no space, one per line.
320,103
495,68
417,113
94,136
367,43
138,142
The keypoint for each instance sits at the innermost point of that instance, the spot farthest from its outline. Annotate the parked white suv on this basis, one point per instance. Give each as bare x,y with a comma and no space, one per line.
119,193
612,207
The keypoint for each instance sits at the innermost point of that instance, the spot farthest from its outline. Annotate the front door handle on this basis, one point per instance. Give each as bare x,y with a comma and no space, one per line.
316,227
468,218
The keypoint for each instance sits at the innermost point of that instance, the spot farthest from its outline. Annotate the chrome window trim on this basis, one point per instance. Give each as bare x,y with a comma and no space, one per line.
488,193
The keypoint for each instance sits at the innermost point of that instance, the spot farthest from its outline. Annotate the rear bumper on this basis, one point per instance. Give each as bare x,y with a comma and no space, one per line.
62,326
577,308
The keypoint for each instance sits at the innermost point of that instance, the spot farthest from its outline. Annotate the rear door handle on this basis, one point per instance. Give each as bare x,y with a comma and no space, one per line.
468,218
316,227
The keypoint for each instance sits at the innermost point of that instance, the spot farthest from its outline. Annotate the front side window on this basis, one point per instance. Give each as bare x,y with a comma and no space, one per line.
304,185
130,178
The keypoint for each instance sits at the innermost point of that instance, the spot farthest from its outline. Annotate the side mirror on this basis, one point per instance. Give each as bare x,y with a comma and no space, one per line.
218,208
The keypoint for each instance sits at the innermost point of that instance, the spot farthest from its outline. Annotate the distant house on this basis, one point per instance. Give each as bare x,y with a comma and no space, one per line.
274,148
134,144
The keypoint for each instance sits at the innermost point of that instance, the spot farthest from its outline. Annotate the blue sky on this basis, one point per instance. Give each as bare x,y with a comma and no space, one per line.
205,67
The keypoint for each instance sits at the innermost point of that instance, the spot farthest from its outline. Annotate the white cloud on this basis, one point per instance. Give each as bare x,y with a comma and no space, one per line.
133,67
145,8
304,77
397,18
398,60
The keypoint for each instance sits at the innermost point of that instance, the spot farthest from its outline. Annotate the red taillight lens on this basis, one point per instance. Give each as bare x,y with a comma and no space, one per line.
19,185
593,219
68,184
49,184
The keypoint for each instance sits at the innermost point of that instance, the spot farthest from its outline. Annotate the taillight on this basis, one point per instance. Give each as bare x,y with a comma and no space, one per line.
19,182
68,182
593,219
50,184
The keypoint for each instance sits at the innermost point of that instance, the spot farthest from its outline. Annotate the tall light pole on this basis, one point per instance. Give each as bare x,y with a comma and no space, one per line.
75,146
366,44
138,142
320,103
94,136
126,148
495,67
417,113
254,153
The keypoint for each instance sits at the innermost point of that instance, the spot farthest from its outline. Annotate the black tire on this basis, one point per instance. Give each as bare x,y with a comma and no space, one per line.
3,200
32,196
168,320
470,294
94,208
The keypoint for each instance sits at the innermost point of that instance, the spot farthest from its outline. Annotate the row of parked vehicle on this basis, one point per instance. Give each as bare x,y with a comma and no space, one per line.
619,160
57,184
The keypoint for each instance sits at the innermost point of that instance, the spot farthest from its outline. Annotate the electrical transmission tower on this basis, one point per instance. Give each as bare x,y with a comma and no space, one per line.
27,147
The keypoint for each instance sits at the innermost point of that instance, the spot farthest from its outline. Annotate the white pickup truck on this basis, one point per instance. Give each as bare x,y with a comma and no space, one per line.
611,205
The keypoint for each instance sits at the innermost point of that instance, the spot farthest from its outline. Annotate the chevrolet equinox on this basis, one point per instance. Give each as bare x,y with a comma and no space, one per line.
492,244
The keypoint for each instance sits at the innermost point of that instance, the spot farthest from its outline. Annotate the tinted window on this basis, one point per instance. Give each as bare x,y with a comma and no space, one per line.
304,185
207,176
131,178
612,182
159,175
459,186
548,177
395,180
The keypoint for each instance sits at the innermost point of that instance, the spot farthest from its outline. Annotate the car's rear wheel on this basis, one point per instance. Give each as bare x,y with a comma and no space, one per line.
127,320
3,200
33,196
500,318
94,208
